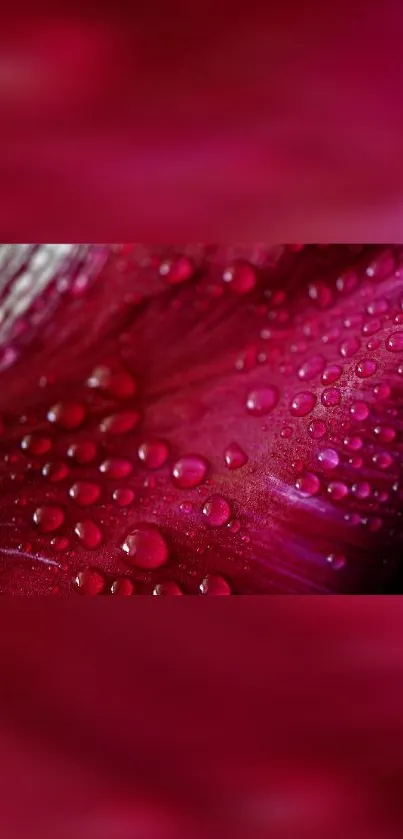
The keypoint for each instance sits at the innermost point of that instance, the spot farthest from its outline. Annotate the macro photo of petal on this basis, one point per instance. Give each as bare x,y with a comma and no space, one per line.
201,419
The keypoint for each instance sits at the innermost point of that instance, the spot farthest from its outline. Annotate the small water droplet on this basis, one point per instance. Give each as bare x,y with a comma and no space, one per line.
366,368
317,429
83,452
88,533
241,277
146,547
308,484
381,392
359,411
85,493
311,368
361,490
123,497
234,456
384,433
122,587
189,471
302,403
331,374
67,415
36,444
262,400
395,342
55,472
337,561
116,468
337,490
382,460
214,584
216,511
119,423
371,327
331,397
287,432
176,270
329,458
167,589
90,582
48,518
349,347
153,453
353,443
119,384
321,294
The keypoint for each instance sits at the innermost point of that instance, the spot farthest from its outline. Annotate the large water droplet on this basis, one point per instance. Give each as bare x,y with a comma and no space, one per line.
83,452
153,453
146,547
240,276
384,433
176,270
67,415
308,484
36,444
382,460
55,472
381,392
395,342
116,468
337,490
302,403
214,584
359,411
331,374
329,458
189,471
119,384
216,511
349,347
119,423
88,533
85,493
48,518
123,497
234,456
361,490
366,368
90,582
331,397
262,400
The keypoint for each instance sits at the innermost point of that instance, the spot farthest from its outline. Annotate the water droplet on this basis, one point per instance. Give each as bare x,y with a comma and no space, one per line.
321,294
48,518
337,490
331,374
353,443
119,423
153,453
381,392
122,586
384,433
88,533
308,484
119,384
311,368
356,462
55,472
382,460
349,347
234,456
35,444
116,467
302,403
123,497
371,327
176,270
359,411
216,511
90,582
60,543
361,490
331,397
378,307
395,342
83,452
365,368
168,588
67,415
329,458
85,493
189,471
214,584
240,276
262,400
337,561
317,429
146,547
346,282
286,432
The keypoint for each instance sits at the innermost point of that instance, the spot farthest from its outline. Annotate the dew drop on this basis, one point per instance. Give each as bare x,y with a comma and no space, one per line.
366,368
88,533
378,307
317,429
146,547
55,471
321,294
83,452
349,347
214,584
359,411
384,433
353,443
48,518
116,468
286,432
346,282
311,368
329,458
331,374
241,277
381,392
262,400
122,586
234,456
189,471
337,561
119,384
337,490
216,511
177,270
371,327
308,484
382,460
153,453
167,589
67,415
361,490
302,403
395,342
90,582
331,397
123,497
120,423
85,493
35,444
